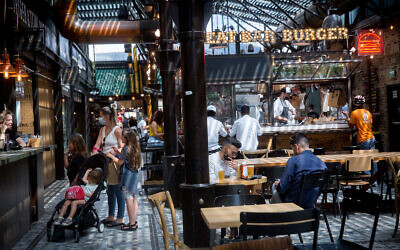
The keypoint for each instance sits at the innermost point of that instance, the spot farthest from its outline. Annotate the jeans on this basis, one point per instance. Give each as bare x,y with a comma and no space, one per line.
276,198
368,145
115,195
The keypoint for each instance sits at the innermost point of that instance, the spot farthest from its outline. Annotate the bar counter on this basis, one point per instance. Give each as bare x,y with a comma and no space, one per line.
331,136
21,185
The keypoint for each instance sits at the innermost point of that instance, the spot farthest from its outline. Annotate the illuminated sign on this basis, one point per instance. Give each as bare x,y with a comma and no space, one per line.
370,42
288,35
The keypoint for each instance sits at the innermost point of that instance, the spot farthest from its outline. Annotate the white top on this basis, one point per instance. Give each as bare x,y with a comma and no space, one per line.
140,125
246,130
214,129
111,140
88,189
278,107
215,164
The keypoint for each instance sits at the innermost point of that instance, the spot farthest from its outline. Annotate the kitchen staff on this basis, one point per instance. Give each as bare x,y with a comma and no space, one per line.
214,130
282,107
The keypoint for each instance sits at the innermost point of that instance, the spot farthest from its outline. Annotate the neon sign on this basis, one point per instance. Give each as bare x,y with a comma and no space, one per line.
370,42
288,35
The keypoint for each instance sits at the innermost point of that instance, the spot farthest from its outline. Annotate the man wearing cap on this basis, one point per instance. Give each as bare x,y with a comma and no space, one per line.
282,107
246,129
362,120
287,189
214,130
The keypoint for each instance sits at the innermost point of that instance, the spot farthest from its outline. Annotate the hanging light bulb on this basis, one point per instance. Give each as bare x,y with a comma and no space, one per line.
5,66
19,68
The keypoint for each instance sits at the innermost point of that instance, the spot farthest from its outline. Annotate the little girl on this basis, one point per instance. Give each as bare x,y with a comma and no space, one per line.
131,160
79,195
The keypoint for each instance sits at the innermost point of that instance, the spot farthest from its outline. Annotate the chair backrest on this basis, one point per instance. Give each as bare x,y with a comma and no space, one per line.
273,224
278,153
259,153
365,151
359,164
230,189
238,200
313,180
395,173
265,243
159,200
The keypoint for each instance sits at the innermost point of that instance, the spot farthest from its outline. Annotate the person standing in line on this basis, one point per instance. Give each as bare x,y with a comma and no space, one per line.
215,129
246,129
362,120
282,107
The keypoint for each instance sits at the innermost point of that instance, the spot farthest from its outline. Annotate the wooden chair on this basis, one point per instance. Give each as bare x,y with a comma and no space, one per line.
159,200
396,184
259,153
265,243
273,224
353,174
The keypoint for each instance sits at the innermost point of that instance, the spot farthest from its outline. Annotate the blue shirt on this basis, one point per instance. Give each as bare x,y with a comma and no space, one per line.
289,185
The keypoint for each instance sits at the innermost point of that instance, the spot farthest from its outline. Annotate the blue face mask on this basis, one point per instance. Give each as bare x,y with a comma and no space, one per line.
101,121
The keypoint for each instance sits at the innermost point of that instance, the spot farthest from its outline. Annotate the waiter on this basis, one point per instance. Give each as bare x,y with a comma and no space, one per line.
214,130
282,107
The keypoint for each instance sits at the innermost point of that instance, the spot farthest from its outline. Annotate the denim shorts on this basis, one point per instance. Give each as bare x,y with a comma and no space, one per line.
127,194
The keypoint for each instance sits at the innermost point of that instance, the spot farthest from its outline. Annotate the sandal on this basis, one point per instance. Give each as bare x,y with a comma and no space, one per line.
105,221
114,224
128,227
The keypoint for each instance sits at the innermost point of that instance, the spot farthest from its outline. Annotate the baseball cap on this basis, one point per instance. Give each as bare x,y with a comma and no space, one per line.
286,90
212,108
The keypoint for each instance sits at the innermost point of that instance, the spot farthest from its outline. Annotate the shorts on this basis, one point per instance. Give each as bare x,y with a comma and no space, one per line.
127,194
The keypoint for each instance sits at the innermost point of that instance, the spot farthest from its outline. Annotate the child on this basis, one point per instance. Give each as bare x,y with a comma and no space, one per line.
79,195
131,160
74,157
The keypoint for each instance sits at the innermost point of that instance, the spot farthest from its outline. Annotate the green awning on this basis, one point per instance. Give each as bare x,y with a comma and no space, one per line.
111,82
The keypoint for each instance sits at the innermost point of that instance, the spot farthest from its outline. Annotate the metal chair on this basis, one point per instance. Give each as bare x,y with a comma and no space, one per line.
260,153
265,243
273,224
396,184
333,186
159,200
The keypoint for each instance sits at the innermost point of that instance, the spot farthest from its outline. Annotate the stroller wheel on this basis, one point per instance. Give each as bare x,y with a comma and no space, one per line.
100,227
77,236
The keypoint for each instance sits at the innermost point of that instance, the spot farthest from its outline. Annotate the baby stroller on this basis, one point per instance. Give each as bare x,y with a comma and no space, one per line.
86,215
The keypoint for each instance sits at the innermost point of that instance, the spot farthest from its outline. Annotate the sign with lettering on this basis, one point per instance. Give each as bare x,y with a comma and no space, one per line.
288,35
370,42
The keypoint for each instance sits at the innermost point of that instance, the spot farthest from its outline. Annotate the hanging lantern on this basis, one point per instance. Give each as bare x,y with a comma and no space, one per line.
19,70
5,66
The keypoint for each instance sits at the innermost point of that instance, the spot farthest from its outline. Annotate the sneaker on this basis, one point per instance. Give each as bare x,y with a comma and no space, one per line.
67,222
58,221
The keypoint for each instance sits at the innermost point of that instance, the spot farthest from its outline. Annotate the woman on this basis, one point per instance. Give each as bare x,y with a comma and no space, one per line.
131,160
110,136
7,128
74,157
156,129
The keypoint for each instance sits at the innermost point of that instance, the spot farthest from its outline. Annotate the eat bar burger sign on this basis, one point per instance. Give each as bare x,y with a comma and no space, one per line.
370,42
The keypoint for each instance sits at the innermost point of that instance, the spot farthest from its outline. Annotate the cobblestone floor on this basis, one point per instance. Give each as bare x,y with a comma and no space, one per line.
149,236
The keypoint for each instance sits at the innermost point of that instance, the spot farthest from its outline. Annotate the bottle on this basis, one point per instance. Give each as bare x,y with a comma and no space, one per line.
243,170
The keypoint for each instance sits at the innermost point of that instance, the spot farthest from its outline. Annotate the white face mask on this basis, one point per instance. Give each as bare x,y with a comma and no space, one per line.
101,121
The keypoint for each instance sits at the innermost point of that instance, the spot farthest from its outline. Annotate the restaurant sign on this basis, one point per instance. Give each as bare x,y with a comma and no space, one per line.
288,35
370,42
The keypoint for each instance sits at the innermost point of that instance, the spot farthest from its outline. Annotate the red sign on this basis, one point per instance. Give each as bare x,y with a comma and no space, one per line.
370,42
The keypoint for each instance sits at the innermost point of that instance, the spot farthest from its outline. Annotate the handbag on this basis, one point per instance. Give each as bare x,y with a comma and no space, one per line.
113,174
75,193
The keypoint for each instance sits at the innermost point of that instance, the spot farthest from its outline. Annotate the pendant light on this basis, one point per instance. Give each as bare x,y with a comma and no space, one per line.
19,70
5,66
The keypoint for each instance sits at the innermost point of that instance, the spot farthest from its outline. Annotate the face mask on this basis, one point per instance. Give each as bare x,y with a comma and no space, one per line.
101,121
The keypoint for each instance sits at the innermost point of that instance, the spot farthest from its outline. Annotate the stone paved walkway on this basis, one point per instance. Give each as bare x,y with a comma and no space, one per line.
149,236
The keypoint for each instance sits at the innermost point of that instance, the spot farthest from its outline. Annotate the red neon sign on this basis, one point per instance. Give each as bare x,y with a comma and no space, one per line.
370,42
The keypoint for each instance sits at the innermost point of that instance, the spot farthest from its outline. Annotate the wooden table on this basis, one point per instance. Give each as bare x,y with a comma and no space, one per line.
223,217
228,181
342,158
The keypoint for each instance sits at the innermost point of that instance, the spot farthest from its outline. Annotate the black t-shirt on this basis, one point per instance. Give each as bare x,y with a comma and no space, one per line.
74,167
12,134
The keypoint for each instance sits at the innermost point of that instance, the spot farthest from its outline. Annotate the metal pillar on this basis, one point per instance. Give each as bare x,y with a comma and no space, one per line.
196,192
172,170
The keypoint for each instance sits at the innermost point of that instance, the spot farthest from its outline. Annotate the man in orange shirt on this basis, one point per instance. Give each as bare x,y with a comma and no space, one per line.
362,120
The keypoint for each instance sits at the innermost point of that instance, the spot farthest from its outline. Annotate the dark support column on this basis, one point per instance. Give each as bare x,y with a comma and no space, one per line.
59,133
71,109
172,170
196,192
8,93
35,101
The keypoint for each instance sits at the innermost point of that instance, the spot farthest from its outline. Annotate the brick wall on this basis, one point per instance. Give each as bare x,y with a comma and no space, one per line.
382,65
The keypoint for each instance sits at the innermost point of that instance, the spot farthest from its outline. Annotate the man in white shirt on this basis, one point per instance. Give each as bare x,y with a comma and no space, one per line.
282,107
246,129
223,160
142,125
214,130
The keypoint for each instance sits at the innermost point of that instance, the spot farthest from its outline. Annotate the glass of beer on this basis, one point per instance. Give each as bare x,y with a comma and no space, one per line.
221,175
250,171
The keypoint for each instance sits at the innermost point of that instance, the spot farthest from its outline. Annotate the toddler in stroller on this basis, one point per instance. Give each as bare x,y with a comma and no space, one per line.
80,200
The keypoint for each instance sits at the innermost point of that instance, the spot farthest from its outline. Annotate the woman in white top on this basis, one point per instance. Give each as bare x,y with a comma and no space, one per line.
109,140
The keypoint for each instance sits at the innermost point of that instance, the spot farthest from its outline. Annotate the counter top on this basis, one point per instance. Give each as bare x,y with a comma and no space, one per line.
16,155
312,128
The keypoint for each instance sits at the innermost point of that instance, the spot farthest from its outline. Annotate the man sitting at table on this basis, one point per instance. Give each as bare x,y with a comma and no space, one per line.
223,160
287,189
